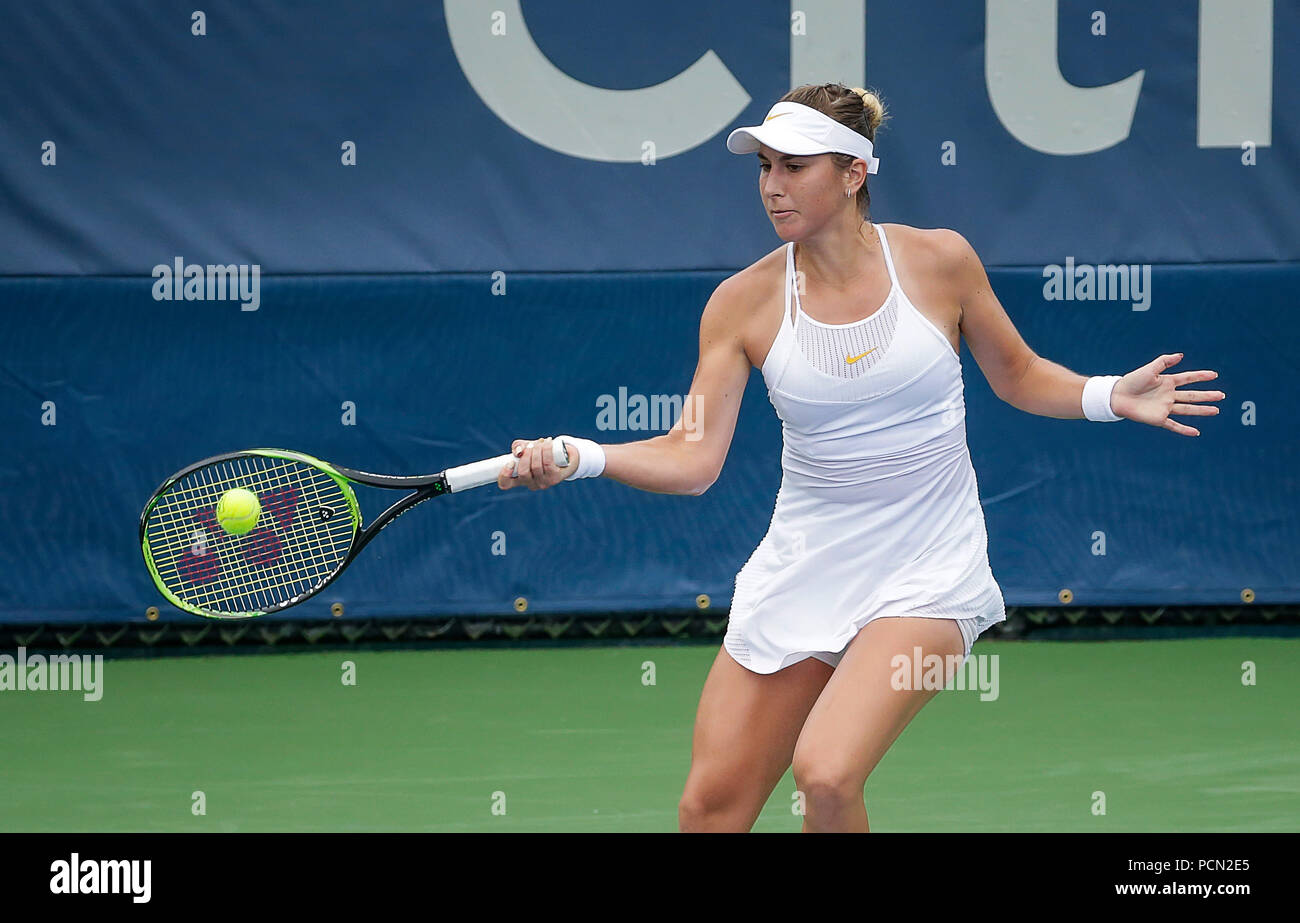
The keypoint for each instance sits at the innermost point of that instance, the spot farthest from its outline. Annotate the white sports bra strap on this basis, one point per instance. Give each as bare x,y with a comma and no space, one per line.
889,260
791,281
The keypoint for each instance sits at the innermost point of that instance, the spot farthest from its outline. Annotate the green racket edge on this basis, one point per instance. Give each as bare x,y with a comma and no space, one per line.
287,455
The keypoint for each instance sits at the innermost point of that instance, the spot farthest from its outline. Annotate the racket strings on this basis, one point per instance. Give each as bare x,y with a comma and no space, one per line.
284,556
277,564
207,571
303,534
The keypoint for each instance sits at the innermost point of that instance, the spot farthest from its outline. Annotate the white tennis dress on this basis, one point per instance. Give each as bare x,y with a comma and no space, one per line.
878,513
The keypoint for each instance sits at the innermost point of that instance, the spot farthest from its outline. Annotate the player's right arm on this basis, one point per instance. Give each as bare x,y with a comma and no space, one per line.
689,457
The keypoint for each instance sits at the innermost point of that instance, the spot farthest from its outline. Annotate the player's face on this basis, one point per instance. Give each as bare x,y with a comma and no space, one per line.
800,193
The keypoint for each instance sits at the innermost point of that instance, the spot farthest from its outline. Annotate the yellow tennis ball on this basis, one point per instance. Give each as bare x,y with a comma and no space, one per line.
237,511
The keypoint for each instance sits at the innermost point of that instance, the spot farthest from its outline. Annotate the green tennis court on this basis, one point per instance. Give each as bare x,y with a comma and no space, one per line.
575,741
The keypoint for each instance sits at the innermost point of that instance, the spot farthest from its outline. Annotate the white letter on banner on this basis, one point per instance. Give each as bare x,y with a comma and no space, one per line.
541,102
1031,97
833,43
1235,74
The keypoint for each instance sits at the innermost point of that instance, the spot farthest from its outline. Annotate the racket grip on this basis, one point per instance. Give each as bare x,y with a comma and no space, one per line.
478,473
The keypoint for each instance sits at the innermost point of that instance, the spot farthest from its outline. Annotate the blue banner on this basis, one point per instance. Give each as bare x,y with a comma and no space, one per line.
106,392
402,136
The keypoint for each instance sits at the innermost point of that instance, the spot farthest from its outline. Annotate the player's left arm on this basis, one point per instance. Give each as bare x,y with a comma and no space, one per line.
1028,382
1016,373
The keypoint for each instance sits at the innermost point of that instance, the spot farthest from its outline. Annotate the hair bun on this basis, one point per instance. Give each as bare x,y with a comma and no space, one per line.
873,110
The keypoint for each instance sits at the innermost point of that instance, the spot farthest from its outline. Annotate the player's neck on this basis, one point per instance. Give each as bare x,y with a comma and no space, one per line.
839,256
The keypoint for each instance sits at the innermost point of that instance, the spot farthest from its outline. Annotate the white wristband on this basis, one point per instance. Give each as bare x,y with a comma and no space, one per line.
1096,399
591,458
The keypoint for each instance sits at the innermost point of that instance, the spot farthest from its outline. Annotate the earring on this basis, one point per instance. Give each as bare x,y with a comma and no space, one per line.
848,192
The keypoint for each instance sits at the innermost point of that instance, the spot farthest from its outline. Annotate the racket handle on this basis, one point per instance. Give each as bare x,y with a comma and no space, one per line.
478,473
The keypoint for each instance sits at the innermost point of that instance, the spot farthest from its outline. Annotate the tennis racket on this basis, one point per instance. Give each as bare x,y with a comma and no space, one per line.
307,527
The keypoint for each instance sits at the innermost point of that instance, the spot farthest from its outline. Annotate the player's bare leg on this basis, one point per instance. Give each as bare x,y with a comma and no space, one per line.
745,731
860,714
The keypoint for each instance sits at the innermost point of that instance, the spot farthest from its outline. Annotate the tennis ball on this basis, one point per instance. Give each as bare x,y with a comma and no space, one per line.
237,511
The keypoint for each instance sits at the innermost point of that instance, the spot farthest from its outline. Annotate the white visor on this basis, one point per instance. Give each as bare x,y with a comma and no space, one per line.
793,128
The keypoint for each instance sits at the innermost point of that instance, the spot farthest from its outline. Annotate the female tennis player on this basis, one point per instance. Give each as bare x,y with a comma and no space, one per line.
877,545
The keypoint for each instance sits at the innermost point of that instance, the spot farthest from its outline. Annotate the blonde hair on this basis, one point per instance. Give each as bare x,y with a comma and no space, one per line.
853,107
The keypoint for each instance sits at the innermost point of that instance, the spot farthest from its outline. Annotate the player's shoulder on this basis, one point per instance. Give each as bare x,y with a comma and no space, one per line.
930,250
739,292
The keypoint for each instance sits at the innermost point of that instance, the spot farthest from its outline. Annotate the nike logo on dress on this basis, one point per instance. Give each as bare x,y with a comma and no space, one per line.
853,359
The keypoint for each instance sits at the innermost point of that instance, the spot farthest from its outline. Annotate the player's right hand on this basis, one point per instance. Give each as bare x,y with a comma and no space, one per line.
535,466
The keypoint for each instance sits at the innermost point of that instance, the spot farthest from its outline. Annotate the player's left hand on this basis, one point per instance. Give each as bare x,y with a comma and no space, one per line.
1146,396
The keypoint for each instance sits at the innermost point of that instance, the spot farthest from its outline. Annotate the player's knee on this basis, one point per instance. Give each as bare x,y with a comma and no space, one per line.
692,814
706,807
827,785
697,809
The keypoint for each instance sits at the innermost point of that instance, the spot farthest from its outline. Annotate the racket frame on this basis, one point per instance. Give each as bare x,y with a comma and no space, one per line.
424,487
